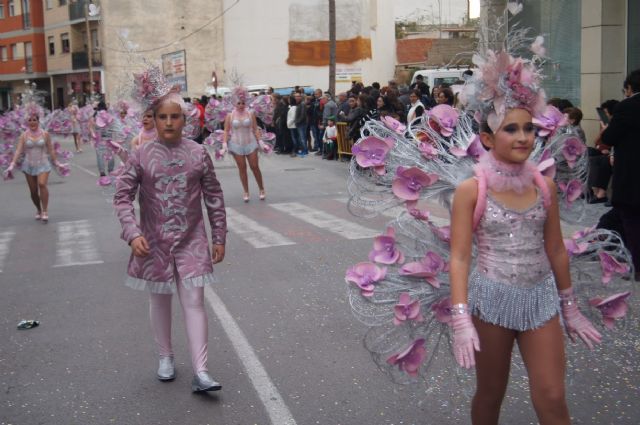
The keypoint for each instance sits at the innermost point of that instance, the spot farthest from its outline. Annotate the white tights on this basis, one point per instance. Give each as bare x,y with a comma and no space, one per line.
195,319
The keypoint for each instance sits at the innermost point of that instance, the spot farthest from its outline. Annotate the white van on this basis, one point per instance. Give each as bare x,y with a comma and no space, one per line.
257,88
222,91
435,77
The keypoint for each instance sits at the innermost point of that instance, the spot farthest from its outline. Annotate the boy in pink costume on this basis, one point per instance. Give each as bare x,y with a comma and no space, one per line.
170,251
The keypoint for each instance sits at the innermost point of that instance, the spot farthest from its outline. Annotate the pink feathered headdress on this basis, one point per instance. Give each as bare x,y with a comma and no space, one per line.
31,109
239,93
504,81
151,89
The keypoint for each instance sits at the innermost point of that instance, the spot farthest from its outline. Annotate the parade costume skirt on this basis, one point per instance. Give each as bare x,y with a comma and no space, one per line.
239,149
34,170
170,287
510,306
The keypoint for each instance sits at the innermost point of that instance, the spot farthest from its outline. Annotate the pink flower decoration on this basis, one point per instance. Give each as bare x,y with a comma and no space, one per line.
612,308
268,136
428,267
610,266
442,310
574,248
365,275
443,233
65,155
549,121
474,150
417,213
62,169
546,164
384,248
371,152
406,309
410,181
572,190
585,232
103,119
446,116
573,149
427,150
393,124
523,94
265,147
411,358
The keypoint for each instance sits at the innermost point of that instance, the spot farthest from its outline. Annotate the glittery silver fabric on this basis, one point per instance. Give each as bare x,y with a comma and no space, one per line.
520,308
510,244
512,285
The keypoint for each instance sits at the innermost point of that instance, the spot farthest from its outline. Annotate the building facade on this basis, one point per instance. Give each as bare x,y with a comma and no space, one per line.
22,49
186,37
67,49
286,43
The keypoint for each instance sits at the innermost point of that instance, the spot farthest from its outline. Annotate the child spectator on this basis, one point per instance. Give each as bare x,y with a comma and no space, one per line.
574,116
330,138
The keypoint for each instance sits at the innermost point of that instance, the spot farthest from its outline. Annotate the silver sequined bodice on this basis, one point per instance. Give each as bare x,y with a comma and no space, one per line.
511,244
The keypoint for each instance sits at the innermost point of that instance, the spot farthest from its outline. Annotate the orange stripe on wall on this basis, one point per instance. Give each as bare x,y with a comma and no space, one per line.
316,53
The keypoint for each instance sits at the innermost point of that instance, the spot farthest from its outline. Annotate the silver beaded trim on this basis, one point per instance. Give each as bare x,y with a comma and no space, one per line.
513,307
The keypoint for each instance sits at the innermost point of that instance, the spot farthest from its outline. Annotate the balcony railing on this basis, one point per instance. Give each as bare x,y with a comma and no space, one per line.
76,10
28,65
80,60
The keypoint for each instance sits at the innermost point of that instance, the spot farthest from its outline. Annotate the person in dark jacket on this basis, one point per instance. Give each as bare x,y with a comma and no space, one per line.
623,135
301,120
355,116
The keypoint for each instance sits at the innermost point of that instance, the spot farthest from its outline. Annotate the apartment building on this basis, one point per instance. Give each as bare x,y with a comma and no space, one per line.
68,50
22,49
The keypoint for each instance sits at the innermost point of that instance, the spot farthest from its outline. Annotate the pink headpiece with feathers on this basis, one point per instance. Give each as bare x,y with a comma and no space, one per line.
33,108
151,89
239,93
504,82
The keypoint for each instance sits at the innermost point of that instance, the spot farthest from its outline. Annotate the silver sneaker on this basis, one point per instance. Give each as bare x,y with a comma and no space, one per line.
166,369
202,381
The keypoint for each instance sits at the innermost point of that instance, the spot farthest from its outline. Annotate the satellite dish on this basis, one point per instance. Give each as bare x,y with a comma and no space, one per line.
94,10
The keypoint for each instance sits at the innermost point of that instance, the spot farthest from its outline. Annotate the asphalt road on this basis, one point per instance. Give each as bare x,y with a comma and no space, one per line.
282,340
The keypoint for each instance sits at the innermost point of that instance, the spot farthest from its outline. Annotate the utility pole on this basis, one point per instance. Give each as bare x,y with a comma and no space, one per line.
332,47
89,47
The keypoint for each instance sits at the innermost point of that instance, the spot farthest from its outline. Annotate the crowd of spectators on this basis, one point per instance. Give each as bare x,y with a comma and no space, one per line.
300,120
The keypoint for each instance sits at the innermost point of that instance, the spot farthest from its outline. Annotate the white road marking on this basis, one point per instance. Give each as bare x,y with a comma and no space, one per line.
5,241
86,170
275,406
76,244
253,232
326,221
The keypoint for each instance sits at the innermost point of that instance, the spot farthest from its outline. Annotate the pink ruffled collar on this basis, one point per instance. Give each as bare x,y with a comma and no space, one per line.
502,176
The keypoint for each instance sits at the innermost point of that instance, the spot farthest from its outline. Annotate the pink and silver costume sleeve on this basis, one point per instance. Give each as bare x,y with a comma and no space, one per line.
127,187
